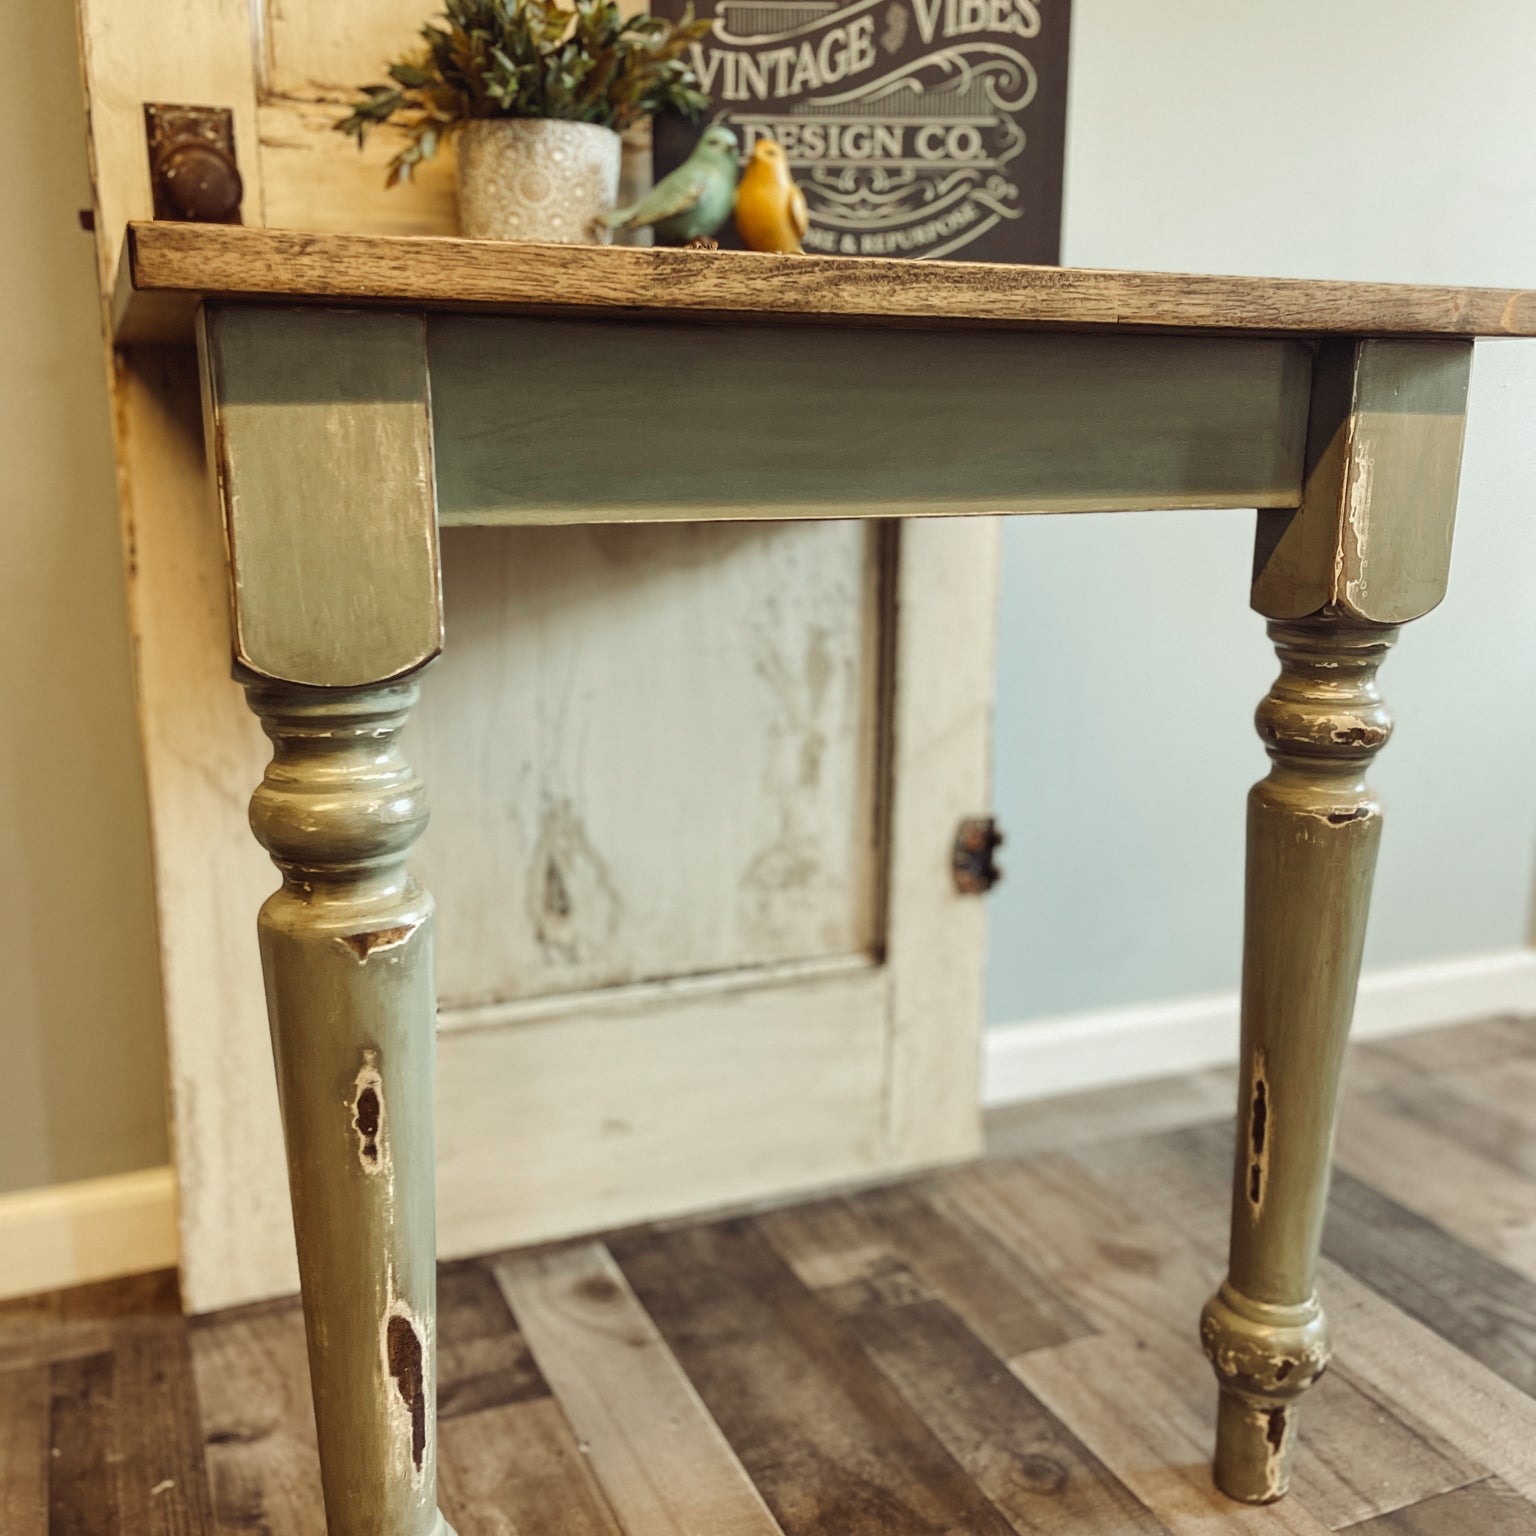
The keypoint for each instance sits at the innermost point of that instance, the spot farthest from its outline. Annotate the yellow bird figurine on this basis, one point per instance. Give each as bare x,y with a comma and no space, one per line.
770,209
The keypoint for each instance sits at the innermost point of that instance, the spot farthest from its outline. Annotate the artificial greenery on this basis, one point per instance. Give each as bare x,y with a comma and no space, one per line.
532,58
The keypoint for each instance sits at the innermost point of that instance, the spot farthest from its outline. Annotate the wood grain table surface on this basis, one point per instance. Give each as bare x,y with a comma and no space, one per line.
168,266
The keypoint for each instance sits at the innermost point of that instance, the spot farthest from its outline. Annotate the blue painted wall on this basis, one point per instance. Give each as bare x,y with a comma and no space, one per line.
1383,139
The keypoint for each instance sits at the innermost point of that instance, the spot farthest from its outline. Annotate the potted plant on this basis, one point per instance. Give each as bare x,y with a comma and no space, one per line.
537,96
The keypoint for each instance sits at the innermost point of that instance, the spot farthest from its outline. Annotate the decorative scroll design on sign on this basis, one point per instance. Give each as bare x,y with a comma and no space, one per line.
914,127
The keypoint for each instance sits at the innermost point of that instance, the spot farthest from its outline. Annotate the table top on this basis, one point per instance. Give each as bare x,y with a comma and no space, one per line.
168,267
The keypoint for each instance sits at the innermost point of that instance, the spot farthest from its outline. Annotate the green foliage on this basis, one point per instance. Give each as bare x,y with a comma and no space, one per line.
531,58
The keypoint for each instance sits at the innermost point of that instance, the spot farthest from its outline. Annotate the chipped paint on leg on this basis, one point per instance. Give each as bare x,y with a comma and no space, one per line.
1351,731
1254,1444
1352,551
1342,818
403,1345
364,945
1260,1118
1276,1438
368,1115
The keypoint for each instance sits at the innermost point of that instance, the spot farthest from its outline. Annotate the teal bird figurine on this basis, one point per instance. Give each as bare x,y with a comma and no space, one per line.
692,202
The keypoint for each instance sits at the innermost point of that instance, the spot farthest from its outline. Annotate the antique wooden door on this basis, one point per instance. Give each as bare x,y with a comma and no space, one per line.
694,788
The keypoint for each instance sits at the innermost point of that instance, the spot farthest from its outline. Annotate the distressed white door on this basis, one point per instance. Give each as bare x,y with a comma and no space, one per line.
694,787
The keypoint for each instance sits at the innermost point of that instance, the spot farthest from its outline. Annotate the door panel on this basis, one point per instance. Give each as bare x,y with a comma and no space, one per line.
313,49
320,180
650,754
656,1100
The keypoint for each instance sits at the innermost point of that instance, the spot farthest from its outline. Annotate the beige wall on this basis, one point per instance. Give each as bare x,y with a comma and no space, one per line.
81,1083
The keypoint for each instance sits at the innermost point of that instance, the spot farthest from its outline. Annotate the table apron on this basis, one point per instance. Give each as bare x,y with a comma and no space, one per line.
574,421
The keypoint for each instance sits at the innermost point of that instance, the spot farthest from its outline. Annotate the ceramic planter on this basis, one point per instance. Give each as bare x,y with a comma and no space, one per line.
524,178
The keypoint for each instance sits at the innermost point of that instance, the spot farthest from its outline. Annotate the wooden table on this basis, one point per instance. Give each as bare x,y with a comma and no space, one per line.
362,391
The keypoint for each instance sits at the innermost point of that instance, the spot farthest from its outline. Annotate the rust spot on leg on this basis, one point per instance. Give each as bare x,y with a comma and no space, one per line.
1258,1133
1343,818
368,1113
1275,1477
1359,735
367,1122
403,1347
364,944
1260,1117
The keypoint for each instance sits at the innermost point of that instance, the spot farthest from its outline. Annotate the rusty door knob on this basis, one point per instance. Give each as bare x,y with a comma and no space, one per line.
200,181
972,861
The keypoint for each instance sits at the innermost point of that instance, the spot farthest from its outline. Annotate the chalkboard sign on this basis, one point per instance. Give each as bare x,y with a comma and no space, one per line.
914,127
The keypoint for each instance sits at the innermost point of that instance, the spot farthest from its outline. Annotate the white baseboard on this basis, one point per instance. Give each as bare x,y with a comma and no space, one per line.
67,1234
1039,1057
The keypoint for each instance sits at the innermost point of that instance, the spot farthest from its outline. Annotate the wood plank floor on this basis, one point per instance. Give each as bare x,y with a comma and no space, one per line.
1002,1349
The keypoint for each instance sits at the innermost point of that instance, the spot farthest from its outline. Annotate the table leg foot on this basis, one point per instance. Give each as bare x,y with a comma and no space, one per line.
1265,1357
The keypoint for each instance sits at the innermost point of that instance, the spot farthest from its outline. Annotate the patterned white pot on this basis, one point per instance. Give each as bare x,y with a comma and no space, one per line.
527,178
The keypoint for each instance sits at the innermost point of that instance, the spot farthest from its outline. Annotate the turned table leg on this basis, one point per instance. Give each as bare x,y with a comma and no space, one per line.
322,425
1313,829
346,949
1367,550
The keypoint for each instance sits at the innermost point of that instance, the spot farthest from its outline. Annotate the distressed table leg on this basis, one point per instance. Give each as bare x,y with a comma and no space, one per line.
1313,830
346,948
1367,550
321,425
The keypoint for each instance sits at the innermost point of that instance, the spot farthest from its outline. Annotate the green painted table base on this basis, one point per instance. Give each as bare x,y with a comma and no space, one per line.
331,469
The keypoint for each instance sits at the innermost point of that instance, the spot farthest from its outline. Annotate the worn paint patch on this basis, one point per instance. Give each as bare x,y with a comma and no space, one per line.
1260,1112
573,903
1360,497
787,878
784,868
557,899
407,1368
365,944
